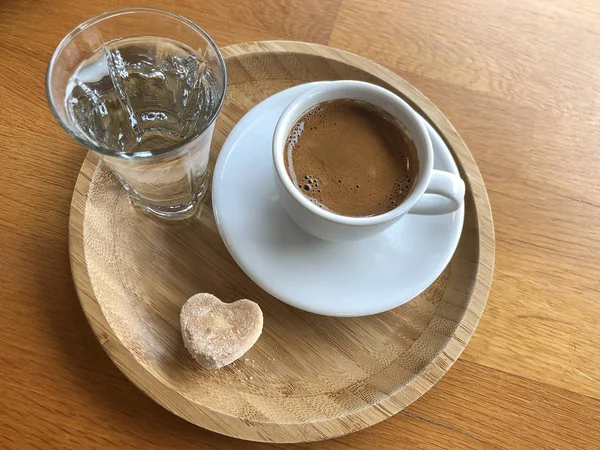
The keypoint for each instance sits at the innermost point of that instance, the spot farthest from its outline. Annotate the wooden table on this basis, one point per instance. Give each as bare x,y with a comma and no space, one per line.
521,83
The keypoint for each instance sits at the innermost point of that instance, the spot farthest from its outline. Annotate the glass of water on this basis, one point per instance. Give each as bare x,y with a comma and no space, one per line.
142,88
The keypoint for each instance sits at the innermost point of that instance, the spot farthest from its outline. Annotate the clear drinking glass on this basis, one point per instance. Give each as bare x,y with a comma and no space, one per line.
142,88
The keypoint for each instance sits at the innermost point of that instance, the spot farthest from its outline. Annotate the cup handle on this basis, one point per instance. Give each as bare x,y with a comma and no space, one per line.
445,194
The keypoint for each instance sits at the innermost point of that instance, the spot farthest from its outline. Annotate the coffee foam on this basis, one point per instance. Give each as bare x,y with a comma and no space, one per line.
351,158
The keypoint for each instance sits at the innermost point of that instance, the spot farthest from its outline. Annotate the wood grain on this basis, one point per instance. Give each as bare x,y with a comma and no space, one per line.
519,81
521,103
310,377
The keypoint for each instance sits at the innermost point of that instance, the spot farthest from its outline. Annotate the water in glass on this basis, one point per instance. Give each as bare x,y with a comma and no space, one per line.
138,97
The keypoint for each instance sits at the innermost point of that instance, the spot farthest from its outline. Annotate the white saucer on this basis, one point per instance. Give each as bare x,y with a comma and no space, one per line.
334,279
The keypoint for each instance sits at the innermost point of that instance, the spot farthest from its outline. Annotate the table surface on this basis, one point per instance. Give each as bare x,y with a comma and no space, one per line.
520,81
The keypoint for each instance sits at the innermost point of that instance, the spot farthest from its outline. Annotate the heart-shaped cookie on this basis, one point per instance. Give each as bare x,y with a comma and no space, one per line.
217,333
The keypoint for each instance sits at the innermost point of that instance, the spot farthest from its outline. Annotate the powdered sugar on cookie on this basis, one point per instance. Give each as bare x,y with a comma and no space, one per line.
217,333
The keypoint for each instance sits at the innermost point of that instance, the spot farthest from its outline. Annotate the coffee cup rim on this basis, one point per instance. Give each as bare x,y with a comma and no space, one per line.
362,91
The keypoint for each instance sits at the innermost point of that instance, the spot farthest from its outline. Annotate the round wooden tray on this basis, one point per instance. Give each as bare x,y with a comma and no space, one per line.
309,377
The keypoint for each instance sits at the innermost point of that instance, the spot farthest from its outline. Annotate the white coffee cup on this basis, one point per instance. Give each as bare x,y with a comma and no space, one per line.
434,192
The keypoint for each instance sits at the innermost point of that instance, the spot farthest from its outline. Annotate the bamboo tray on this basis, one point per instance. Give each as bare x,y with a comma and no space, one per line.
309,377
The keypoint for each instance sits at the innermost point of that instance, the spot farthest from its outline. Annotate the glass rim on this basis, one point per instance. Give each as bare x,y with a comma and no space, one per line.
118,12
